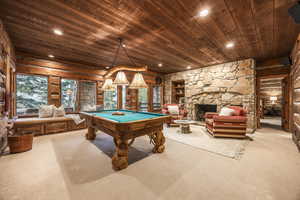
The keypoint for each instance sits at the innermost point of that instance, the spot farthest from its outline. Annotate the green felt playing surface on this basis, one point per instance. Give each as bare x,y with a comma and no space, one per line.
128,117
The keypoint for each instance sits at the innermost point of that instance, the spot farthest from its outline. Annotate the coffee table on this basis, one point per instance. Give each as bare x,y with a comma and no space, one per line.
184,125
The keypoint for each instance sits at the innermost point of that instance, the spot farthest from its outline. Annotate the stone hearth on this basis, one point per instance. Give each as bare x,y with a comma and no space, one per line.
225,84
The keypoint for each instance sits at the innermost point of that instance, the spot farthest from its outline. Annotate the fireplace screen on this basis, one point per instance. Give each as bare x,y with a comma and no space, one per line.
201,109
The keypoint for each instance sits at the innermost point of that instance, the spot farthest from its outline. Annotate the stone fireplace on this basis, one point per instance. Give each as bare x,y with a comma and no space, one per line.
201,109
221,85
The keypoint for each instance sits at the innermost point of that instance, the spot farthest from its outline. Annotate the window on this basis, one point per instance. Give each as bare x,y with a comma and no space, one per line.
87,95
124,97
110,100
143,99
32,92
69,90
156,98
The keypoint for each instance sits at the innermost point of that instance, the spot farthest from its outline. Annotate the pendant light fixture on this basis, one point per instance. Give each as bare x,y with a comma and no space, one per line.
108,85
138,82
121,79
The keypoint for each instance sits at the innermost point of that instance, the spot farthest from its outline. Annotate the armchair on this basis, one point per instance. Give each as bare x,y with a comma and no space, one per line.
227,126
180,115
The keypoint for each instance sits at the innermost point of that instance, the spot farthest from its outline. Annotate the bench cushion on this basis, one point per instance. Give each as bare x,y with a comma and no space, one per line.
36,120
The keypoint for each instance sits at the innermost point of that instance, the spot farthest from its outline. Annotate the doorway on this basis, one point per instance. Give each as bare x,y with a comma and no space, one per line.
273,102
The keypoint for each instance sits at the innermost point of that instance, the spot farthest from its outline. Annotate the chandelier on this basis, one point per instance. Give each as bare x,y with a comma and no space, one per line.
121,79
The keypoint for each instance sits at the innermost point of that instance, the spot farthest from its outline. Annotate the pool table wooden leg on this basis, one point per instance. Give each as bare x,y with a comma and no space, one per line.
120,158
91,134
159,141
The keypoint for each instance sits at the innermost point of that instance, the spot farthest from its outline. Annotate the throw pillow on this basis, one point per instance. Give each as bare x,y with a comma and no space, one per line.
46,111
226,112
59,112
89,108
173,110
238,111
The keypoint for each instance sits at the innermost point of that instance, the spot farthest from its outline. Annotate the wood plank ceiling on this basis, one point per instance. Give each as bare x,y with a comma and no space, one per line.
155,31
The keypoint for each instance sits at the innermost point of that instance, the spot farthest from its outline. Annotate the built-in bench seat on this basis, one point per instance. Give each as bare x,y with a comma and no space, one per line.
42,126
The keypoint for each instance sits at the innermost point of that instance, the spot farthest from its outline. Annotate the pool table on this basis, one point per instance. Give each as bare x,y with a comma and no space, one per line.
125,128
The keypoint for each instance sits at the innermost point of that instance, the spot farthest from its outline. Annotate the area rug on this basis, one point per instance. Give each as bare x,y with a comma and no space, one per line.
199,138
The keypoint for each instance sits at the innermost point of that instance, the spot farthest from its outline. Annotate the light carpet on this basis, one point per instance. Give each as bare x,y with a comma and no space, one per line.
199,138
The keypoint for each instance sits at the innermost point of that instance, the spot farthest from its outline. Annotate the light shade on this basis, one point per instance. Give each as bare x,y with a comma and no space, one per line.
108,85
273,98
121,79
138,82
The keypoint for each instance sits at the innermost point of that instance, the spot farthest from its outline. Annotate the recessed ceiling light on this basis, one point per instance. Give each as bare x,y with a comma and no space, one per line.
229,45
123,45
160,64
107,67
203,13
51,56
58,31
189,67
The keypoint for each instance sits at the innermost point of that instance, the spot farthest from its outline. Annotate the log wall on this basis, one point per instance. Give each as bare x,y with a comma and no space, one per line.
7,88
295,75
56,70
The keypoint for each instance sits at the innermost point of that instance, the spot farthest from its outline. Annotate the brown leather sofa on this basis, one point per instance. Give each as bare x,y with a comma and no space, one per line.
227,126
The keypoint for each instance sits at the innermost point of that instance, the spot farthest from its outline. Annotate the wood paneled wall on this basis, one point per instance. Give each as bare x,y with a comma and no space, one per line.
7,68
54,90
295,75
55,71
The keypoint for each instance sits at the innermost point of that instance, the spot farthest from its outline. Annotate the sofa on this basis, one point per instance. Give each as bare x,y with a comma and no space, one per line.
182,113
234,126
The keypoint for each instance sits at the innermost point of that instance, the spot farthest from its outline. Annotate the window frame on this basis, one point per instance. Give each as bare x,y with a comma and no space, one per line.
16,90
79,92
77,103
161,97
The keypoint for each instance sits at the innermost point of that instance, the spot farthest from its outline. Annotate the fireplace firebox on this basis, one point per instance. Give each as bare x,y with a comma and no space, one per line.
201,109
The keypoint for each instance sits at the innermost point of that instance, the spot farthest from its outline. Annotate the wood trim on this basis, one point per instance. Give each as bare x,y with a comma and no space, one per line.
113,70
287,105
119,97
56,65
277,71
150,98
55,72
258,114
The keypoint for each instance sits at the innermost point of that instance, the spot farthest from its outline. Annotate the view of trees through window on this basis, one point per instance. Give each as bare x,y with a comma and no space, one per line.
32,92
69,90
110,100
156,98
143,99
87,95
124,96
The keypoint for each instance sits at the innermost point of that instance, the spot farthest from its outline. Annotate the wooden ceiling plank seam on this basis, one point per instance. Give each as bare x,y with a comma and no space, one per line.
256,28
213,20
243,40
81,14
163,31
93,50
219,47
